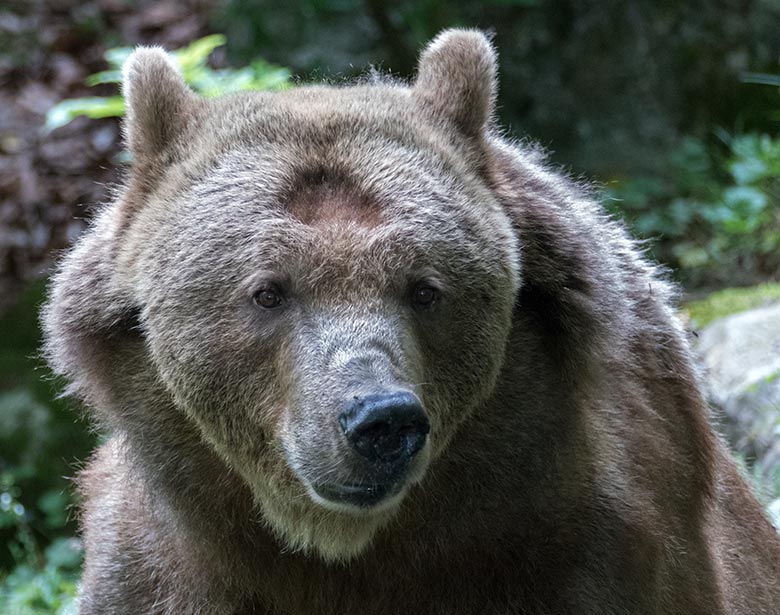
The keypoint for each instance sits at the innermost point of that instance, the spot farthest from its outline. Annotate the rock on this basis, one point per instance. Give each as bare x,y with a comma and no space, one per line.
741,357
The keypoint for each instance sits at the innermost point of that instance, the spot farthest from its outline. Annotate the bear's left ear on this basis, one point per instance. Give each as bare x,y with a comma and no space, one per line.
456,80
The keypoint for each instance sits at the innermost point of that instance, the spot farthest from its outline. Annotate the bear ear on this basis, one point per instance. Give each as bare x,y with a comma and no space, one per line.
88,311
456,79
159,105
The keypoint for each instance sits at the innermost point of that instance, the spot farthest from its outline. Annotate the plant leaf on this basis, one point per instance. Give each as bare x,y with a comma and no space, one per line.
94,107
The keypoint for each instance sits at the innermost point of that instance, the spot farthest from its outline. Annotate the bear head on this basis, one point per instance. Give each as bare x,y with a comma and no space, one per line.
318,282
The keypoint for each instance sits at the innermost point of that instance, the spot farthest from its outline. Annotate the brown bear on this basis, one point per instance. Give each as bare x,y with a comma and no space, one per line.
357,352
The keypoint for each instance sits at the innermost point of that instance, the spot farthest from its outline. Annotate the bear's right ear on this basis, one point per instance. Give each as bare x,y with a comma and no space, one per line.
159,105
89,315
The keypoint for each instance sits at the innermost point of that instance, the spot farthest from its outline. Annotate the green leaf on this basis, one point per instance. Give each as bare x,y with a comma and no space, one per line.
106,76
691,256
196,53
65,553
93,107
54,505
748,171
761,78
716,213
117,56
269,76
746,198
29,591
192,60
754,157
682,211
650,223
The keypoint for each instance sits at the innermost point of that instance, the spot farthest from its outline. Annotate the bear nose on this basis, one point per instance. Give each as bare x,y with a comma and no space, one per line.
388,427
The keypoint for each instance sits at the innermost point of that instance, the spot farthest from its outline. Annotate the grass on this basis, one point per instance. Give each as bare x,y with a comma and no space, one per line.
731,301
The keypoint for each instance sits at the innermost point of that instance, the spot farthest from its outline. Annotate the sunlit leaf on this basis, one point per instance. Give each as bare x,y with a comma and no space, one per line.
93,107
192,60
761,78
106,76
196,53
748,171
746,199
117,56
64,553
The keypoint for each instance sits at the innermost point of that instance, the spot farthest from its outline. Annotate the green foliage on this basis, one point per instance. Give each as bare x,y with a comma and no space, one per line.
48,589
94,107
762,78
258,75
40,437
730,301
714,213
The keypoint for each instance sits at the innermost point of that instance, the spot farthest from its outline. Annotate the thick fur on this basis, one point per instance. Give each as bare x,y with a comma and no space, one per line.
570,466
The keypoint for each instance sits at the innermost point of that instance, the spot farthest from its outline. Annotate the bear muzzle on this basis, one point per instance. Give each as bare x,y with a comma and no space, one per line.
385,432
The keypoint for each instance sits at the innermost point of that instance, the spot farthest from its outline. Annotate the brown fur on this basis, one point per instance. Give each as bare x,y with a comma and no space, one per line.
570,466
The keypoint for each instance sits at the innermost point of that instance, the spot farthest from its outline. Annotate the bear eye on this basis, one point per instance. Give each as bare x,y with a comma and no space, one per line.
268,297
424,296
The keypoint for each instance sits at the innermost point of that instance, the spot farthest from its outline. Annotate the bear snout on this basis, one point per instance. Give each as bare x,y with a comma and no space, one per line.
388,428
383,438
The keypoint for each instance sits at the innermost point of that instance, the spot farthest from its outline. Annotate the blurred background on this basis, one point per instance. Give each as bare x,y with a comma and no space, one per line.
671,108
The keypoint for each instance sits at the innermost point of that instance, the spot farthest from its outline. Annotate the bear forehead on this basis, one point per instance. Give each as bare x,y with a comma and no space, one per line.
348,178
321,223
358,125
326,214
320,108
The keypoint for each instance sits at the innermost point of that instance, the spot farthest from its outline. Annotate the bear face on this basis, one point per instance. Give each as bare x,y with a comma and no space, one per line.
266,320
321,290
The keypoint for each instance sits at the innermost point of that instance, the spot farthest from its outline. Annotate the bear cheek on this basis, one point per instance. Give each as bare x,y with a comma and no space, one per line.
221,381
461,362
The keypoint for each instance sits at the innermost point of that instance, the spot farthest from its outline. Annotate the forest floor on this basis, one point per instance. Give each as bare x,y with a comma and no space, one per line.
52,182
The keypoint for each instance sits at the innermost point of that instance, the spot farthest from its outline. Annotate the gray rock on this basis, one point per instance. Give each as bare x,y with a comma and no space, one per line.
741,357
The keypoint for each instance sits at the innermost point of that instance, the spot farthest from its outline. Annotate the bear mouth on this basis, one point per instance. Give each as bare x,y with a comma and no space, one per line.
369,492
362,495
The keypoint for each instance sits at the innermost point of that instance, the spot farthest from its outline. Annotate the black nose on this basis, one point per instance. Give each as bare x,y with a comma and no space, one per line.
388,427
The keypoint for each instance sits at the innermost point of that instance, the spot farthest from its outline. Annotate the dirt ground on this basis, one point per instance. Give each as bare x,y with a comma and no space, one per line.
50,184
